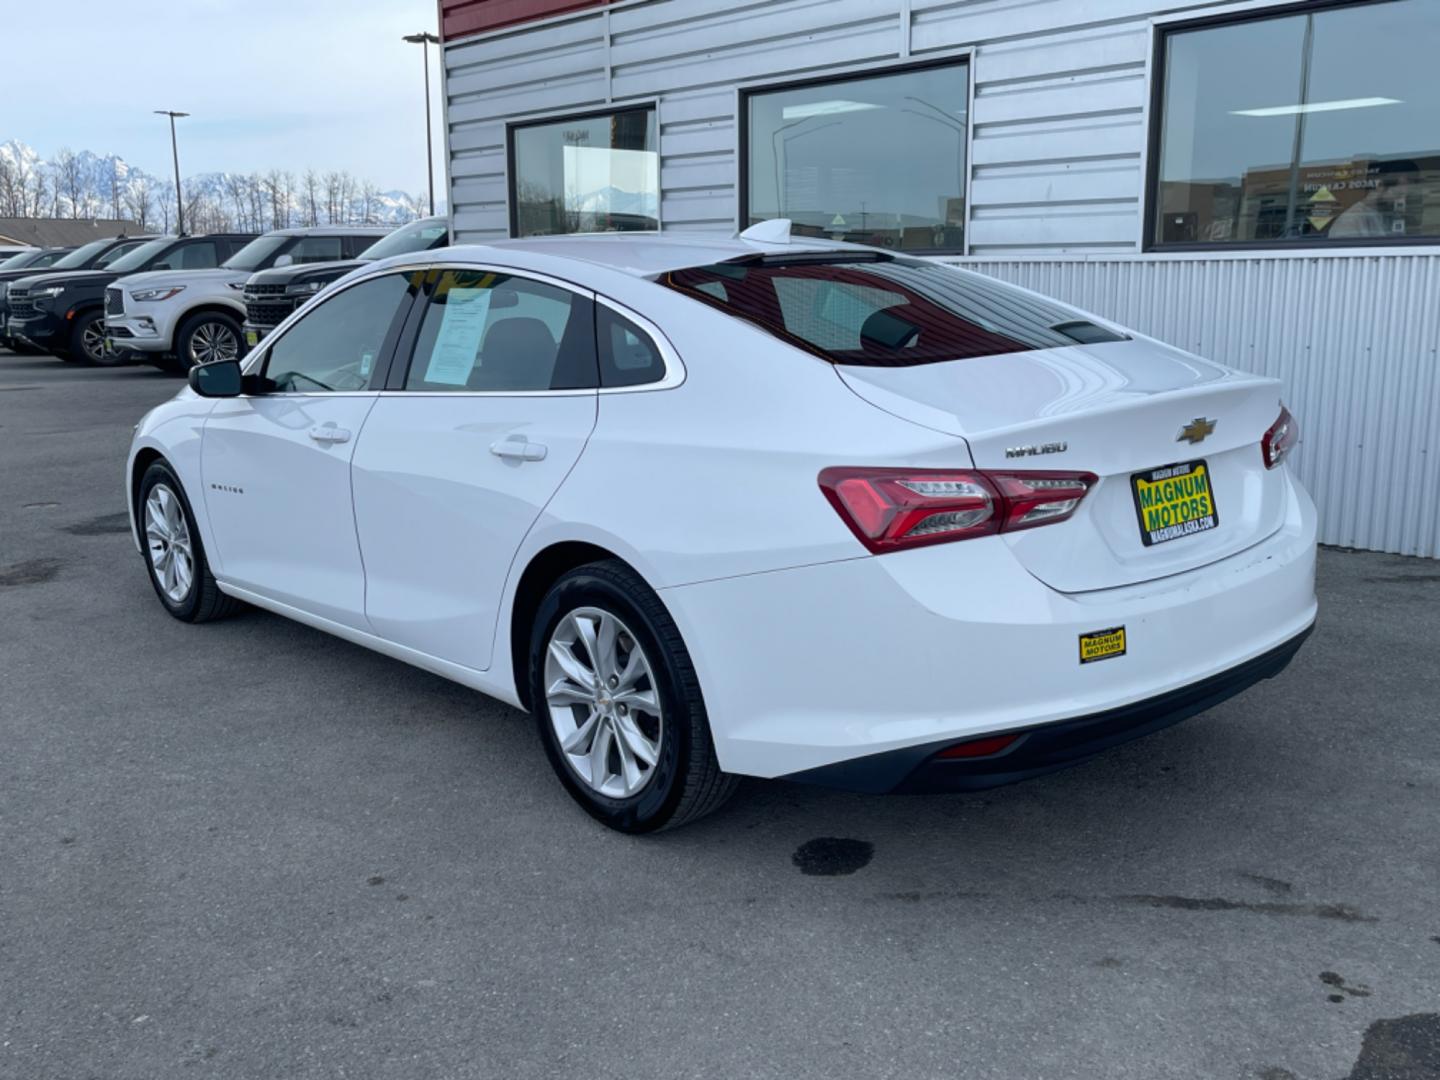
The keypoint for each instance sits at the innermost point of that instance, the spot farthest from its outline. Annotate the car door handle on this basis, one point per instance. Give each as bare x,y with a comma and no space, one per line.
329,434
519,448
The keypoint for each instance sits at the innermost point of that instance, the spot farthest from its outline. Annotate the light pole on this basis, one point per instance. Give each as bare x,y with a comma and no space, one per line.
175,154
425,39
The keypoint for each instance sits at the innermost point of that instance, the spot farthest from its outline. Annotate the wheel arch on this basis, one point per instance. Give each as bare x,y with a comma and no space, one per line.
545,568
211,307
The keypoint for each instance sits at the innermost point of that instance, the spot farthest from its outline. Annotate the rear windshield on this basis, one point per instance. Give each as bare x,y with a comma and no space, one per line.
883,311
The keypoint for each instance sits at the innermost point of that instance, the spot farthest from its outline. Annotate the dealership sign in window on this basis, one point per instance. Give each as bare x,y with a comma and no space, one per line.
598,173
1313,128
874,160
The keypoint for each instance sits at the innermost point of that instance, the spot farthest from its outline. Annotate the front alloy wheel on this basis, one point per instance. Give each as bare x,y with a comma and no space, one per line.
212,341
167,538
603,704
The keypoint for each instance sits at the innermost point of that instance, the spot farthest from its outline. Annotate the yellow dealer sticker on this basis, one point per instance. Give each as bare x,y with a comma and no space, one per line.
1102,644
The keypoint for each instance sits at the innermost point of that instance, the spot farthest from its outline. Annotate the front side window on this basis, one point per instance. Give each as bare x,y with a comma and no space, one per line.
200,255
1312,128
337,345
589,174
497,332
878,160
883,311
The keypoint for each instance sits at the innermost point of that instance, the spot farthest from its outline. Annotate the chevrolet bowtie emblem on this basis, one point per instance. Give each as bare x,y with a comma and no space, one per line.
1196,430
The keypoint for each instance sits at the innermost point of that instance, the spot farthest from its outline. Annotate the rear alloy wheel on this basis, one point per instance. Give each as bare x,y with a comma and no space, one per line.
206,338
174,553
618,705
87,340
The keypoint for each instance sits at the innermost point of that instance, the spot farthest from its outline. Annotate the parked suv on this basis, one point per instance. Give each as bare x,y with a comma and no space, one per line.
94,255
271,296
63,313
187,317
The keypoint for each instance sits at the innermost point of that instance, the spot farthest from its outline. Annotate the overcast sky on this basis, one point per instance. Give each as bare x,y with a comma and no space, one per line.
283,84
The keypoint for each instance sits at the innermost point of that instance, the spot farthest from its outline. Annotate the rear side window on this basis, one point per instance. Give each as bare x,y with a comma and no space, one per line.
883,311
317,249
498,332
628,355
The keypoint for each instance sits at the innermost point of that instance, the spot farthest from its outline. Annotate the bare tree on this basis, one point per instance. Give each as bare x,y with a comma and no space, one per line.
66,171
312,198
165,203
139,201
115,193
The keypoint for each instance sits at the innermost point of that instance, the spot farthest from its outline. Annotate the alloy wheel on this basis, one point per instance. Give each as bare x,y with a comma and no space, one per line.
603,702
167,539
213,341
92,341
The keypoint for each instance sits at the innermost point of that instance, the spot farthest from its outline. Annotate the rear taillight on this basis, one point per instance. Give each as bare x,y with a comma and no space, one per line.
891,509
1280,439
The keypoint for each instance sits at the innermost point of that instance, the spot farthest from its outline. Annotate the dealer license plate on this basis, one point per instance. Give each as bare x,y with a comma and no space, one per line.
1174,501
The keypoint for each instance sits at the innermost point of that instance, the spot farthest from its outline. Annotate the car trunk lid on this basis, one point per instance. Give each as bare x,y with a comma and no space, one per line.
1119,410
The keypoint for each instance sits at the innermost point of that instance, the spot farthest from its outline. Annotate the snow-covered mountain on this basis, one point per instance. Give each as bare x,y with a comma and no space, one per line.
100,184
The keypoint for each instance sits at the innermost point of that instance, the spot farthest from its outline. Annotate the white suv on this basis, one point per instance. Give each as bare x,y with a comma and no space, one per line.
188,317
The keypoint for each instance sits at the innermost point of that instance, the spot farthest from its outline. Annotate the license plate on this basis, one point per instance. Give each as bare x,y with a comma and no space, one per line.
1102,644
109,344
1174,501
252,338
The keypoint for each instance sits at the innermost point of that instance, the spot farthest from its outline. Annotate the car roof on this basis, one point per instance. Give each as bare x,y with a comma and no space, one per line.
333,230
644,255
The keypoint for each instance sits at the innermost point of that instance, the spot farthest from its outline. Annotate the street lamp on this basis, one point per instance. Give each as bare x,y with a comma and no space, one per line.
175,154
424,40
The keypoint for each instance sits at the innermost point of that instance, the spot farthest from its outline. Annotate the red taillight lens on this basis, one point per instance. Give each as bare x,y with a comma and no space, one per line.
890,509
1280,439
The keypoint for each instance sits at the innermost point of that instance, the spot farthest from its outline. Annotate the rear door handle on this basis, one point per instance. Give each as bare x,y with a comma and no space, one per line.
329,434
519,448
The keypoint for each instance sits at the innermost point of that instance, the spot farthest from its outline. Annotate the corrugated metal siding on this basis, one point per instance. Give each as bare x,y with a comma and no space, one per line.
1058,117
1355,340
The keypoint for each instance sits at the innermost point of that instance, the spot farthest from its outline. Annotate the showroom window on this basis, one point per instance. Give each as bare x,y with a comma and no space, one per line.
873,160
1316,127
584,174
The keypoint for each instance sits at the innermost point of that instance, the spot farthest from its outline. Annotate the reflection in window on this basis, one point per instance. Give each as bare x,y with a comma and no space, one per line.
1305,128
590,174
877,160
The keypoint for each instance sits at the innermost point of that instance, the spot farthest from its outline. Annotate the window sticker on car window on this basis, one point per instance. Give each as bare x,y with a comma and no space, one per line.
367,359
457,346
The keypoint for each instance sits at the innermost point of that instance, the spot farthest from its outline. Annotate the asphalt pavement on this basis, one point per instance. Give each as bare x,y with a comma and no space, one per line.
251,850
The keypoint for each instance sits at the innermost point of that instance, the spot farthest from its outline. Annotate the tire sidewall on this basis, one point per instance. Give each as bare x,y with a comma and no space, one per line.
652,807
159,473
192,324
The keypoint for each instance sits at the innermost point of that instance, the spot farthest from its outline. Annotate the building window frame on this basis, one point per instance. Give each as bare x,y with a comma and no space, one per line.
541,119
1161,27
899,65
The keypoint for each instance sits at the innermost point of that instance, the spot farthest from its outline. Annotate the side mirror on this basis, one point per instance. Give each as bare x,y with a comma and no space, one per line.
285,260
219,378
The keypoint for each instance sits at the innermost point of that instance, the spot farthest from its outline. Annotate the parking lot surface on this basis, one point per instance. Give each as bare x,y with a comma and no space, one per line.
248,849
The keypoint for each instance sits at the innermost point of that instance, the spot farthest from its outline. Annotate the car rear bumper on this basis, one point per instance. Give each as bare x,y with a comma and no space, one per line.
910,652
1048,747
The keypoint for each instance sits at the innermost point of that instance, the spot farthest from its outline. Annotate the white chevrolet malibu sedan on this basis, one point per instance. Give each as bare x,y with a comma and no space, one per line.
710,508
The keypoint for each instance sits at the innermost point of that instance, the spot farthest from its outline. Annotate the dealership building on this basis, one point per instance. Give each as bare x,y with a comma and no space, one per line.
1255,181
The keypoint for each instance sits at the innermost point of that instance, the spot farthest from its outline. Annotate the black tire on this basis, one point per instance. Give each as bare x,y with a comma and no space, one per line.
686,782
87,341
190,340
204,601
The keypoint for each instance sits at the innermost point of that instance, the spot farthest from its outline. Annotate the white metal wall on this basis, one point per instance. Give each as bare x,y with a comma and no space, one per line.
1059,89
1356,341
1057,152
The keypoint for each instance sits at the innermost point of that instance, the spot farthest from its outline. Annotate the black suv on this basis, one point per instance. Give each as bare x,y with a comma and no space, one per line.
63,311
271,295
93,255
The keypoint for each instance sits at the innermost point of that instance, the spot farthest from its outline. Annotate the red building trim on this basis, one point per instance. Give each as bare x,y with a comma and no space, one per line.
465,18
